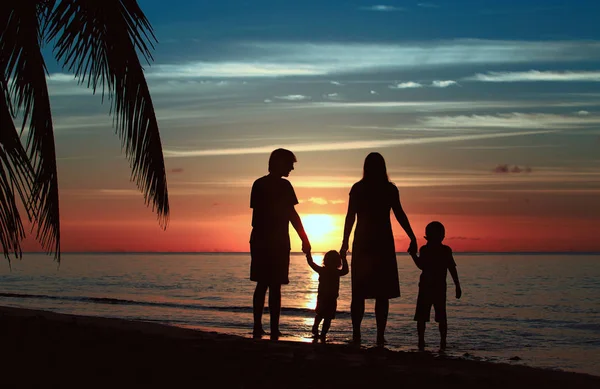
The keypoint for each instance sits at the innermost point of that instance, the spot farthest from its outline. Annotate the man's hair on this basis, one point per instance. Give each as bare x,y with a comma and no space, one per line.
280,158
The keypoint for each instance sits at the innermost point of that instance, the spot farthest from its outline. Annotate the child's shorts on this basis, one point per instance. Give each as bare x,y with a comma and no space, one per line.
424,303
326,308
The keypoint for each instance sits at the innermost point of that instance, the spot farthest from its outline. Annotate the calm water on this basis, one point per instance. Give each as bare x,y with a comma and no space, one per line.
544,309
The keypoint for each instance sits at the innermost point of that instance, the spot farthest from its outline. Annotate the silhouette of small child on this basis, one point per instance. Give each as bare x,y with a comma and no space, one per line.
329,286
434,259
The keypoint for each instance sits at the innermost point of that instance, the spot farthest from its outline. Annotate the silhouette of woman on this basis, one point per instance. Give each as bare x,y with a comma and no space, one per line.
272,201
374,270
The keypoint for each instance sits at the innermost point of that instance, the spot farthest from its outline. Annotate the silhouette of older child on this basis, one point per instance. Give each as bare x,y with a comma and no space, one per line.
329,286
434,259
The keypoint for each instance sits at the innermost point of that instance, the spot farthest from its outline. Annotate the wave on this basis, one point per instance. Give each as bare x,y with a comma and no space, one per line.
303,312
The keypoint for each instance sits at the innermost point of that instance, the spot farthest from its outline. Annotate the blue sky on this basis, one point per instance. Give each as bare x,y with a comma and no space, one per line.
487,113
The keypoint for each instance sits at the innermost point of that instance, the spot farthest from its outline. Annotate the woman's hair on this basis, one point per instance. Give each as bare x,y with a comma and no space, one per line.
332,259
374,169
280,158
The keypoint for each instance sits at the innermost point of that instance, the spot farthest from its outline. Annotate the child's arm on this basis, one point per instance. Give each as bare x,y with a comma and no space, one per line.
454,274
345,268
416,260
312,264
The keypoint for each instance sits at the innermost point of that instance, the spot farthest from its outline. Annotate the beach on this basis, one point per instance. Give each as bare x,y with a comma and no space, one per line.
51,350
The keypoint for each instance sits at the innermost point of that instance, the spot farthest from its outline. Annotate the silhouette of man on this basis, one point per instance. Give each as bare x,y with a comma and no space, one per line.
272,201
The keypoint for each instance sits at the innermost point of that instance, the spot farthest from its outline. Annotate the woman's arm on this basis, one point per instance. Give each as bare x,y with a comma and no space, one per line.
345,268
405,224
349,223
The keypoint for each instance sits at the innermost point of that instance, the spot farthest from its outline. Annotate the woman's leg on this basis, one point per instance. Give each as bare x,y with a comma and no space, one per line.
258,304
382,307
357,311
275,309
421,333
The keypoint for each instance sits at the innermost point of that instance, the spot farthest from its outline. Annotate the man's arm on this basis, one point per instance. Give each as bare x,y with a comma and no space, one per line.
297,224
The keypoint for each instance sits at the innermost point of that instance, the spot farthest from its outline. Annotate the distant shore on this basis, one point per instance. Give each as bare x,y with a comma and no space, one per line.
45,349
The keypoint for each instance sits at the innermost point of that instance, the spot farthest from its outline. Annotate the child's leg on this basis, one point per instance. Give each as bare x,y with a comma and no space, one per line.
325,329
421,333
443,333
315,328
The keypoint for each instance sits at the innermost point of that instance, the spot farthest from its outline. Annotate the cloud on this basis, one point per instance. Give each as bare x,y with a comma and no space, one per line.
332,96
382,8
443,84
504,168
323,201
176,170
293,97
280,59
348,145
511,120
406,85
536,75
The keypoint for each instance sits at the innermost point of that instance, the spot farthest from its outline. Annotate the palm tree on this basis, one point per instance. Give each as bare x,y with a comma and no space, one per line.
99,42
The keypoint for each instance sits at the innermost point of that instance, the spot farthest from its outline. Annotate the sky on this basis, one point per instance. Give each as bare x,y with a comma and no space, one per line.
487,113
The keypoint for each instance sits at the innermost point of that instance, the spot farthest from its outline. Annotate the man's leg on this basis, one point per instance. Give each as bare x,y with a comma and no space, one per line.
326,325
258,303
382,307
421,333
443,333
315,328
275,309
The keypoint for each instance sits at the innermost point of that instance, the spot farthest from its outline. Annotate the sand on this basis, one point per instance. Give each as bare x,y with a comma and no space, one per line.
48,350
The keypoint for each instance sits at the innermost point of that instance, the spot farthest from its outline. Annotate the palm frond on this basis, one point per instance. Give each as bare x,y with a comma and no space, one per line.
22,63
16,175
99,40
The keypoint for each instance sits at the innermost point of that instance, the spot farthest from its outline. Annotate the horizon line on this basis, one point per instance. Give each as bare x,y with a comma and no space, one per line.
301,253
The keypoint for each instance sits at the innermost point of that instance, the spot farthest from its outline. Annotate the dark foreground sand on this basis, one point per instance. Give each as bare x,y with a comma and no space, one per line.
48,350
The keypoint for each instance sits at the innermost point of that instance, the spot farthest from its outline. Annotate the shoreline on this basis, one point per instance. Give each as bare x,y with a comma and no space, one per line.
44,348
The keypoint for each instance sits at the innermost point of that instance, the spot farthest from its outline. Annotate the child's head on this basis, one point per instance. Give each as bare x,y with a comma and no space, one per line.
332,259
435,232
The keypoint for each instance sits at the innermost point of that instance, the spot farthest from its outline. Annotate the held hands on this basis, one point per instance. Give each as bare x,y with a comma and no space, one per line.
306,247
458,291
412,248
344,249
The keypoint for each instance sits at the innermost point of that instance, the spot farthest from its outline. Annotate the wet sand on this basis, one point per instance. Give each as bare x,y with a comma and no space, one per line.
50,350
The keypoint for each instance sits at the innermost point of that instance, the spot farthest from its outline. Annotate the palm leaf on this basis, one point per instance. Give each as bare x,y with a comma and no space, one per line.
16,174
99,40
22,63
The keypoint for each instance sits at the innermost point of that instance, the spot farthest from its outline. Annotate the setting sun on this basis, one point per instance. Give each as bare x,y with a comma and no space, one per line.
324,231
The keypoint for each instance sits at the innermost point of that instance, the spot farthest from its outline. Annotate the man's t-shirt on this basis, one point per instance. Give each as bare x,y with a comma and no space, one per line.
435,261
272,199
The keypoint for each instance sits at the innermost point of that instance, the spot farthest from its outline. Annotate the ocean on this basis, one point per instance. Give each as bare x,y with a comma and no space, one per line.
540,310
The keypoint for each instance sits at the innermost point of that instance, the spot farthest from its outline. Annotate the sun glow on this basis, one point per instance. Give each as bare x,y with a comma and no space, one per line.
324,231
